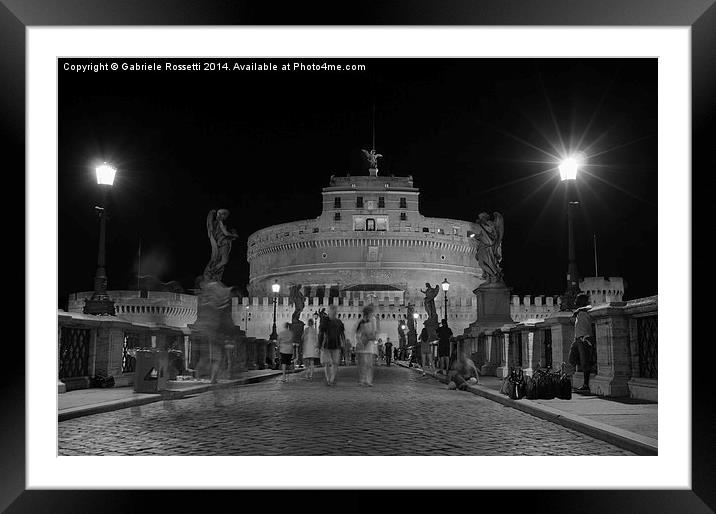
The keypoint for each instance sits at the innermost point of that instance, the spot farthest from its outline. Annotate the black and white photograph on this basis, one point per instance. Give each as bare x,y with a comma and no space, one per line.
417,256
413,246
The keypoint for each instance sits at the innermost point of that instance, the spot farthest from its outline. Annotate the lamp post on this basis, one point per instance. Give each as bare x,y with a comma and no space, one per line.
275,287
247,320
100,302
445,285
568,169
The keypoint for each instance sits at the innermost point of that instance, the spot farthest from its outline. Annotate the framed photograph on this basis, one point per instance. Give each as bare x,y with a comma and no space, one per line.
248,147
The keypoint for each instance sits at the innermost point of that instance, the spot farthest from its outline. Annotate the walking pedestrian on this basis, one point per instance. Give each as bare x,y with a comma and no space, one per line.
582,351
285,348
444,335
426,351
388,351
310,348
331,338
381,351
366,346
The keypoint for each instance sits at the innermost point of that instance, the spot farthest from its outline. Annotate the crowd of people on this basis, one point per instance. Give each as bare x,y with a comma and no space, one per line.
325,342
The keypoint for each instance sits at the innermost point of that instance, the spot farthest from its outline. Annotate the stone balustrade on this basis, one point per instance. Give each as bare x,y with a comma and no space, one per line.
626,343
98,345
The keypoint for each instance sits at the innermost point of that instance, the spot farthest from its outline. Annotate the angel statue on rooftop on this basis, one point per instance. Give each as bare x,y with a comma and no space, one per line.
372,158
489,246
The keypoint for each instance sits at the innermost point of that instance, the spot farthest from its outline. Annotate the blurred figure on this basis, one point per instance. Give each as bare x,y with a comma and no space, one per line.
285,348
582,351
310,347
388,352
331,337
366,346
381,351
444,335
426,351
462,371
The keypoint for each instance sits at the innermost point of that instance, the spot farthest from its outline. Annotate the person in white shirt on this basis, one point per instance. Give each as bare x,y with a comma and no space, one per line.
582,351
310,347
285,348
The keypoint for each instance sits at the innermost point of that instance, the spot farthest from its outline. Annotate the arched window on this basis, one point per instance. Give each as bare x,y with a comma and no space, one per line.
370,224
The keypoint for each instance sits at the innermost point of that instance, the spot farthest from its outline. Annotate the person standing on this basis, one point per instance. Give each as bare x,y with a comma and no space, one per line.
365,346
582,351
426,351
444,335
330,339
310,347
388,351
285,348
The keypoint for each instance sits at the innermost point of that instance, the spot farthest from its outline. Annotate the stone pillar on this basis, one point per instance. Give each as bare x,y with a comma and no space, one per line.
187,355
562,325
531,349
503,369
613,355
61,387
492,353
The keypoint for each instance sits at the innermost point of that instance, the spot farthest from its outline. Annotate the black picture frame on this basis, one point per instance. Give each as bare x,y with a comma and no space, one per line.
17,15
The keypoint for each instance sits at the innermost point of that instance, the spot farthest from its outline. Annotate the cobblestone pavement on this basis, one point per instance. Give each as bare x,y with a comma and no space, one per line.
304,417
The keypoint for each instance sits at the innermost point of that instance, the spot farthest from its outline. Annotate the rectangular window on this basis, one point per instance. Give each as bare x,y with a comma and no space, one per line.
337,216
426,229
403,216
454,230
403,203
337,202
358,223
315,230
470,233
381,202
359,202
381,224
441,231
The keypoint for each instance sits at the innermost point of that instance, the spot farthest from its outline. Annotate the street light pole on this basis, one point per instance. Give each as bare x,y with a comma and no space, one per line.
568,172
445,285
275,287
100,302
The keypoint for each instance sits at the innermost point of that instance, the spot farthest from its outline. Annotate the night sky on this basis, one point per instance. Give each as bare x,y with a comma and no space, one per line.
475,134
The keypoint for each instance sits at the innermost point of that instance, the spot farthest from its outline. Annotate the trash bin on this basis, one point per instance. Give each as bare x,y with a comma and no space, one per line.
151,371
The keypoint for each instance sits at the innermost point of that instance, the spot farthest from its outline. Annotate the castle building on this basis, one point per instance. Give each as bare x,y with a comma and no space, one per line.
370,244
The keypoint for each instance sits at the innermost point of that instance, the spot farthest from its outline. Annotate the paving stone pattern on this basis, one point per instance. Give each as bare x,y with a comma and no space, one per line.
402,414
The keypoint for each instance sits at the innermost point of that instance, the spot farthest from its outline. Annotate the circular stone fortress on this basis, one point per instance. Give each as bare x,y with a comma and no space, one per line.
370,244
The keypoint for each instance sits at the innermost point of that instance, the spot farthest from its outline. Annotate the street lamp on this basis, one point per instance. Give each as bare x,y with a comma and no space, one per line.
247,320
445,285
568,170
100,302
275,287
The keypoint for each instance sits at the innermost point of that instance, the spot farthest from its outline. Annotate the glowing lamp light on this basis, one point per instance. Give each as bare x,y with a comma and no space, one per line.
105,174
416,315
568,168
275,287
445,285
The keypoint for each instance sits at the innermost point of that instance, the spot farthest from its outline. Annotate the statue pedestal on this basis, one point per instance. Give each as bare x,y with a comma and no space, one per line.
493,313
431,324
493,308
216,340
